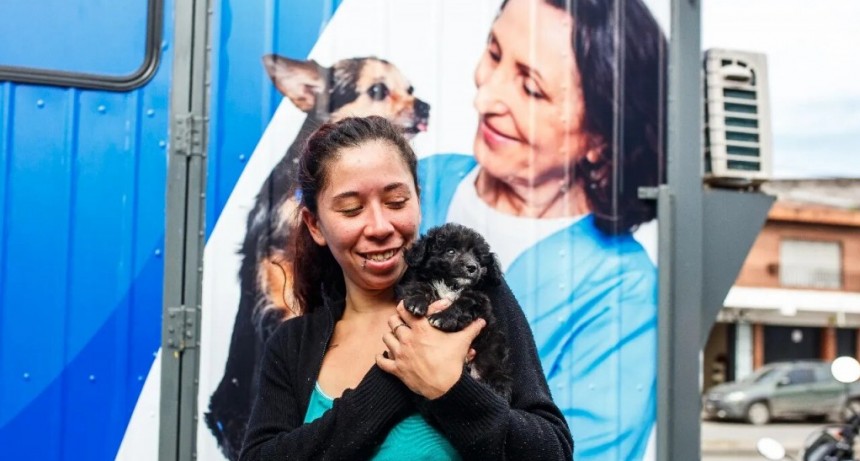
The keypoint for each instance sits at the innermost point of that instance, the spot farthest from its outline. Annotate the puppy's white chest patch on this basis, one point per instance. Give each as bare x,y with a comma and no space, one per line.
446,292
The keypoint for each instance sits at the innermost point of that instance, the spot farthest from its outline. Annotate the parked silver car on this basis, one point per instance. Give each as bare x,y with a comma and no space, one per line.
801,389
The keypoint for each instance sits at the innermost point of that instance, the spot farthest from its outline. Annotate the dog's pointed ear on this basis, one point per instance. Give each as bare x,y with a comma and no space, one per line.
300,81
415,255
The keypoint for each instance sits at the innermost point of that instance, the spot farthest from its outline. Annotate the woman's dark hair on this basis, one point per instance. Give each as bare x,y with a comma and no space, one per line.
621,55
313,265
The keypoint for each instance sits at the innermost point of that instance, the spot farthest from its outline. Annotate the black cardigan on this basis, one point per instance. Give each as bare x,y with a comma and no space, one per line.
479,423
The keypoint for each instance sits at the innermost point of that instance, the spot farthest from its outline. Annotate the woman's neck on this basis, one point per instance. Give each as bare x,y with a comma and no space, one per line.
546,200
368,306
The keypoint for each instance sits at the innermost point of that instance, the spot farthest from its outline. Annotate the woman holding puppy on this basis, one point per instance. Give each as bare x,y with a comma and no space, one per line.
326,390
570,106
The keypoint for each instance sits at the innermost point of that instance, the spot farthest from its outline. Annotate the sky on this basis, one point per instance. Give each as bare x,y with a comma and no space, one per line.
814,69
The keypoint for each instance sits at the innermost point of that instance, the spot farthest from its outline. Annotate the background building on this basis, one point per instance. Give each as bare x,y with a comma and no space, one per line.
798,293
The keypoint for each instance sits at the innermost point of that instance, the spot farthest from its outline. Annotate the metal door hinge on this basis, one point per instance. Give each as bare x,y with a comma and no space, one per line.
181,331
188,135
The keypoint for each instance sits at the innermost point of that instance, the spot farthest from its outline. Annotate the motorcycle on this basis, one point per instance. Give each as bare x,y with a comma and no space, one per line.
832,442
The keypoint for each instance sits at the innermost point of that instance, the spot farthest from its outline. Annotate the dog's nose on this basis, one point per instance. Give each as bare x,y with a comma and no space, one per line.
471,268
422,109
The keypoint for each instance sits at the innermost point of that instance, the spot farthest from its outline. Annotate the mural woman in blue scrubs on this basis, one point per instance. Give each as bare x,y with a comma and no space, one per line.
570,106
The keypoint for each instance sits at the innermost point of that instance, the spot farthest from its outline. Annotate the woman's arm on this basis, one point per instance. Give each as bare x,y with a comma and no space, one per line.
482,425
357,423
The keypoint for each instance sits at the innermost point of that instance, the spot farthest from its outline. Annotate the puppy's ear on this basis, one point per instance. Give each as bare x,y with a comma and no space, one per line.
494,275
415,255
301,81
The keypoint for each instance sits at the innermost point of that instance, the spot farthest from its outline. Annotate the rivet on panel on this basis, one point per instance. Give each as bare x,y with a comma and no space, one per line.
158,252
241,157
140,378
92,377
101,108
40,103
150,112
162,144
26,376
164,45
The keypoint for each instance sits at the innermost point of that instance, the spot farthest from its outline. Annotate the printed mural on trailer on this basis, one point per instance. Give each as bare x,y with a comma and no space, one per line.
512,106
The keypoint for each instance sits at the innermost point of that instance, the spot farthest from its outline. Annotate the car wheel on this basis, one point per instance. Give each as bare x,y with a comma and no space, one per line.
816,418
758,413
850,409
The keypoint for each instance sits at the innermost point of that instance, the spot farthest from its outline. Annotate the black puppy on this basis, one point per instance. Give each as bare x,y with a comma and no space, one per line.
455,262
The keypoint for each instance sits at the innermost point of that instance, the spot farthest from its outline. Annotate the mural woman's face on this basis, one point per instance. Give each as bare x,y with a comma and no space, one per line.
529,97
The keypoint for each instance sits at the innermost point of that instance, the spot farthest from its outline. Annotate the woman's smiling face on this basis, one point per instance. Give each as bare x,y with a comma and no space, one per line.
367,214
529,97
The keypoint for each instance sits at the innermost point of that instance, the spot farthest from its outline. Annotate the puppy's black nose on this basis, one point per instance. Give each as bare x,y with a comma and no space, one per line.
471,268
422,109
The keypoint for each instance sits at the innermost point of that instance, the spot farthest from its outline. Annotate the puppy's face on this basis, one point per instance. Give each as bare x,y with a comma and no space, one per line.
457,257
355,87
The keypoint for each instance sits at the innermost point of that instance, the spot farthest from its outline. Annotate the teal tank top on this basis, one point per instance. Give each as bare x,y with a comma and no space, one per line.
411,439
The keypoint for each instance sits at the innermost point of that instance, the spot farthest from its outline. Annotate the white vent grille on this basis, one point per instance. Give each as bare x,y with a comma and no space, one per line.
737,117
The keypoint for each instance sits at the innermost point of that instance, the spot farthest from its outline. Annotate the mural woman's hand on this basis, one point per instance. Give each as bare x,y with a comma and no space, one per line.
427,360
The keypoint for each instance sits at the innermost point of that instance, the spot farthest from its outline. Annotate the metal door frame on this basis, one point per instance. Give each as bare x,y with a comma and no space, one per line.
185,234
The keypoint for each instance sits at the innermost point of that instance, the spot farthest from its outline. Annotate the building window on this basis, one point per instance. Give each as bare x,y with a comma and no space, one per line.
810,264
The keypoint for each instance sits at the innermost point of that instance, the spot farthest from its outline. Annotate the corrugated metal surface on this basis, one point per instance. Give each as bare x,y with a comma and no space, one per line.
82,187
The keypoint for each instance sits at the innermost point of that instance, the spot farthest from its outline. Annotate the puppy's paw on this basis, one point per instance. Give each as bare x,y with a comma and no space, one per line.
447,323
416,306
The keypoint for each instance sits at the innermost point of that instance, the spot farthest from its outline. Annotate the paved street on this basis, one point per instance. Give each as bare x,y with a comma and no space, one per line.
736,442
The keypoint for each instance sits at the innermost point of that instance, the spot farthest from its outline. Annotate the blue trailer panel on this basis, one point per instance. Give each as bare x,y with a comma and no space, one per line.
82,200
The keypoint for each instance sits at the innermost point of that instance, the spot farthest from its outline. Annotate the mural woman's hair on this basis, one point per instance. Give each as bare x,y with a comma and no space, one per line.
621,56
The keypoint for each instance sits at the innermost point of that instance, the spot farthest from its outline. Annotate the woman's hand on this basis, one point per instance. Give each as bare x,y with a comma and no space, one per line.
427,360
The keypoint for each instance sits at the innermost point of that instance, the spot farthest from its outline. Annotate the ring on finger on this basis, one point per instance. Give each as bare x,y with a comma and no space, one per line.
394,331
